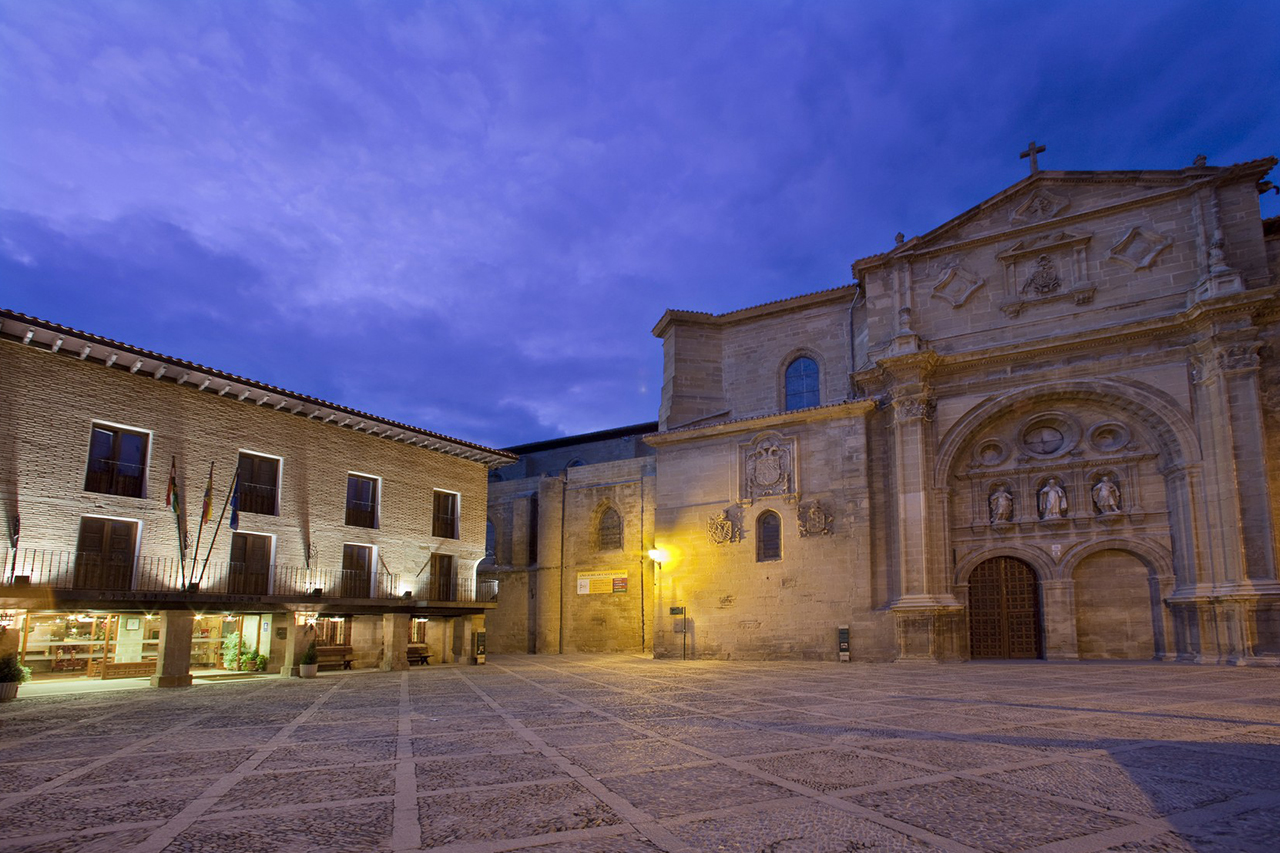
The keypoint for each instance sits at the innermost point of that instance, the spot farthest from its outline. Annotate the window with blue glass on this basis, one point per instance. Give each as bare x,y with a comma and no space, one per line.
768,536
802,384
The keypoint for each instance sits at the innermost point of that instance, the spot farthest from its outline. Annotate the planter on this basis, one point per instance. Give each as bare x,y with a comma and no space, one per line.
308,670
8,690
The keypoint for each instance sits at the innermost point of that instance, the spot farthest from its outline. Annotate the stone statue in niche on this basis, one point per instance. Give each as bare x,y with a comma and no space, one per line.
1053,500
1044,280
813,518
769,470
1001,505
723,528
1106,495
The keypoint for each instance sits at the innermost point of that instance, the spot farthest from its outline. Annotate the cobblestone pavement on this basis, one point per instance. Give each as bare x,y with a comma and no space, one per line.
621,754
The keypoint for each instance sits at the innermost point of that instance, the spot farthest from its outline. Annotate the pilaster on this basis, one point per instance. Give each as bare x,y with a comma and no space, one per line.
173,667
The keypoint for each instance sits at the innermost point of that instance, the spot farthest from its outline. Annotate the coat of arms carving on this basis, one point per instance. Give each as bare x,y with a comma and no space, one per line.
769,469
813,518
723,528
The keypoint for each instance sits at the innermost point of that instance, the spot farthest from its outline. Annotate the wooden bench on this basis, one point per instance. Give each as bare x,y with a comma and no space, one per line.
335,657
417,653
125,669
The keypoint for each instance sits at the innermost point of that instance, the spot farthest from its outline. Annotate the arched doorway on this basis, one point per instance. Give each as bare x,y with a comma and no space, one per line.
1004,610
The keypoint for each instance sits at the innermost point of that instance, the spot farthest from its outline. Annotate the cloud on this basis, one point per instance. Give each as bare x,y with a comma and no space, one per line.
504,197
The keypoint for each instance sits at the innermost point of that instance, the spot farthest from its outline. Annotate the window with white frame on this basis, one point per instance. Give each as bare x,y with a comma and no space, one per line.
444,515
362,500
117,461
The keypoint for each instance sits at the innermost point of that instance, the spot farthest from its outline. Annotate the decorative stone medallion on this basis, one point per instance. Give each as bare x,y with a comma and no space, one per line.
1040,205
1139,248
956,284
813,518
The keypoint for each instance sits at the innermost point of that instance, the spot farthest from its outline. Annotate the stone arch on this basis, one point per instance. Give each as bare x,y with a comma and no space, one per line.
1005,608
1157,558
786,361
1038,560
1155,410
602,519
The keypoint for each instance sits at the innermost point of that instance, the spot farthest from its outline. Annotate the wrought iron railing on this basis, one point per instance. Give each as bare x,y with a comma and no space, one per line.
257,498
94,572
109,477
361,513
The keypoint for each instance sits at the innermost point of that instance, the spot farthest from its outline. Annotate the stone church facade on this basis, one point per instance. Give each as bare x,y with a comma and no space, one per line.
1046,429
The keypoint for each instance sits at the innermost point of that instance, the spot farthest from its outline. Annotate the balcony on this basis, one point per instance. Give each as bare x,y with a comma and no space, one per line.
96,573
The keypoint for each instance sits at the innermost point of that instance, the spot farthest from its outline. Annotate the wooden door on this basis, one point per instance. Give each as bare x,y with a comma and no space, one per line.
104,554
250,569
1004,610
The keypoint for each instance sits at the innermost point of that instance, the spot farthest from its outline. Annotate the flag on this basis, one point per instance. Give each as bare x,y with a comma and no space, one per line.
235,501
173,500
207,511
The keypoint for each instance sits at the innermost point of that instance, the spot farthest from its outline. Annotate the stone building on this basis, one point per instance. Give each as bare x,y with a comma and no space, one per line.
360,533
1046,429
570,525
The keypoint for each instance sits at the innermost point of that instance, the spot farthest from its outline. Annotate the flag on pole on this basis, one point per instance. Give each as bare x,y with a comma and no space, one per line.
207,511
173,500
235,501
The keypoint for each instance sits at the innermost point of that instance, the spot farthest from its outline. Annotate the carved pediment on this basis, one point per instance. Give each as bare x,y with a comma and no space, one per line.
956,284
1139,248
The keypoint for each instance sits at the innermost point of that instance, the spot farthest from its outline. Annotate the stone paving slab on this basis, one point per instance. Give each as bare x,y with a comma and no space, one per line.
620,754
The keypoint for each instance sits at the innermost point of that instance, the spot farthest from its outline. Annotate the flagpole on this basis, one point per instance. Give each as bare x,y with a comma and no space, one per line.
204,516
175,498
218,526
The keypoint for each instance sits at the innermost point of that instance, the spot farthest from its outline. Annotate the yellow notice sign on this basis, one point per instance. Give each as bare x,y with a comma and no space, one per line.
603,581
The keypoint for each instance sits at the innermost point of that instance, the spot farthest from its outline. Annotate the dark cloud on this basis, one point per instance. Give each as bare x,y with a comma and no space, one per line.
469,216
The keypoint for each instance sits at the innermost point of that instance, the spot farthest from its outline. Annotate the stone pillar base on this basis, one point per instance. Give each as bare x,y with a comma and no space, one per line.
171,680
930,634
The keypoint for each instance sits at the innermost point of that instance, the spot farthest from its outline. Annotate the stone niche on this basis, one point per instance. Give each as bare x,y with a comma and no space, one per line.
1071,467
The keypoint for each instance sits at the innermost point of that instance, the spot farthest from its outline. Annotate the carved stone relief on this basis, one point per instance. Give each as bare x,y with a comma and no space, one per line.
813,519
1139,248
914,407
1046,268
723,528
768,467
1039,206
956,284
1239,356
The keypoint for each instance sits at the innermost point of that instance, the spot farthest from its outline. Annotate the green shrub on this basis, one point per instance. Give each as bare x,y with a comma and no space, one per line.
310,656
12,671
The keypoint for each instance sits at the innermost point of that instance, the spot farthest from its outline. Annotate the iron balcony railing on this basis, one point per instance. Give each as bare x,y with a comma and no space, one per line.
109,477
257,498
117,572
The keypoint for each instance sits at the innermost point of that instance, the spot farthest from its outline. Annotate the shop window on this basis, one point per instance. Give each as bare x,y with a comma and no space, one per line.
362,501
444,516
258,480
117,462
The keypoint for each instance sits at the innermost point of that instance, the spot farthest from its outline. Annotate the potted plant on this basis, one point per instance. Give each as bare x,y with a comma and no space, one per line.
309,663
12,674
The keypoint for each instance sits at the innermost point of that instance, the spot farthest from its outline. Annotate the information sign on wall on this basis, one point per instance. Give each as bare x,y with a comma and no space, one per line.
602,581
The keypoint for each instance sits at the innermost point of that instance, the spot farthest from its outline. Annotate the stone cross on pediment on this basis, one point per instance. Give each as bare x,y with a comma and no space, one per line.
1032,151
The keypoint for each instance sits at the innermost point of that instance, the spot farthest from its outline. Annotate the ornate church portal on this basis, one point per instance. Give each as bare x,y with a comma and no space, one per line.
1004,610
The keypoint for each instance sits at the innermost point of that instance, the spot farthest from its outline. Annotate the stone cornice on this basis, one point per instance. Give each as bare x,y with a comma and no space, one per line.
818,414
755,312
1190,320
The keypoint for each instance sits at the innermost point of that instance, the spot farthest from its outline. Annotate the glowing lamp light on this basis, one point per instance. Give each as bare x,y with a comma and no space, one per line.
659,555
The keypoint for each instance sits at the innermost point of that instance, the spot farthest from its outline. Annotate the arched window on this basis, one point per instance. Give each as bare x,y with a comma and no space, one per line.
609,530
768,536
802,384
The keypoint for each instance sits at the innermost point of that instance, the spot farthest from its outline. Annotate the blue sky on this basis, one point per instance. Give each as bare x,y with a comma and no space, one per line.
469,216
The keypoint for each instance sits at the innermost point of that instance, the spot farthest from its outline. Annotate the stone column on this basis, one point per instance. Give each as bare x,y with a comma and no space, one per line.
297,638
1060,641
446,639
928,619
173,668
395,642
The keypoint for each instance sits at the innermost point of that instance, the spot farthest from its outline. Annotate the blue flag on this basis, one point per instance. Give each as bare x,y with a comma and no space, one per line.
235,501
